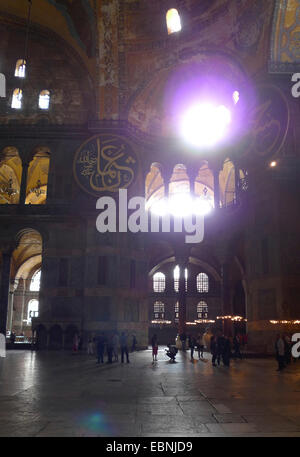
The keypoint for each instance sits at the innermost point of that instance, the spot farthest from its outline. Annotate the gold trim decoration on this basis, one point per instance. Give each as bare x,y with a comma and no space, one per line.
105,163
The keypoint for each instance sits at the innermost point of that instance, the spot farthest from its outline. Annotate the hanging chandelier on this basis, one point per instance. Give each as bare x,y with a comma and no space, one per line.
37,190
9,189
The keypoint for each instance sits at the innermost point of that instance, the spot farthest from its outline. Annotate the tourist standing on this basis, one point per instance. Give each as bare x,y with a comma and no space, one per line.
90,347
100,347
109,348
200,346
236,346
154,344
12,338
287,349
220,348
226,355
213,350
183,340
124,347
192,344
134,343
116,346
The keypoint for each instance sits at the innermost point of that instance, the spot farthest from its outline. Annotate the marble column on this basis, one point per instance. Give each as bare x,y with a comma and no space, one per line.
4,290
226,299
182,300
23,183
23,305
10,310
216,173
166,173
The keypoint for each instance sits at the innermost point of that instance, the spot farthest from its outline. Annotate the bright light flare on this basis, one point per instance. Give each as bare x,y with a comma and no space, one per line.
182,205
202,207
205,124
236,97
159,207
173,21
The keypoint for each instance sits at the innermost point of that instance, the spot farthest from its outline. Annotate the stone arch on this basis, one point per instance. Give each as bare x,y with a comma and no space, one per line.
154,185
37,176
151,107
179,182
55,337
70,332
10,175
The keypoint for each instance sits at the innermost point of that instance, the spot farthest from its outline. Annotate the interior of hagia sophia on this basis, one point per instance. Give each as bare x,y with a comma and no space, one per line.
95,96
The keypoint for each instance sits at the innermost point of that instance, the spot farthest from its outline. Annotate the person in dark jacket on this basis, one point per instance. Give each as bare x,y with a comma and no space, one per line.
100,347
154,344
236,347
110,348
192,344
213,350
183,340
220,347
226,352
134,343
124,347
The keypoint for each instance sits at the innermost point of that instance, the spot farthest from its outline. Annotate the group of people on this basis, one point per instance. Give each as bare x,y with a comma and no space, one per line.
283,350
110,344
220,346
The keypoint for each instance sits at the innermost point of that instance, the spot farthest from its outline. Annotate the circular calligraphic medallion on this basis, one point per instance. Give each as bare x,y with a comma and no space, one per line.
270,122
105,163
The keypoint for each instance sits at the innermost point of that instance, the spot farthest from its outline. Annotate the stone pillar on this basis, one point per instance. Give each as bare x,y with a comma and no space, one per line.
10,310
4,290
192,172
225,299
182,300
23,183
236,183
166,173
23,304
216,173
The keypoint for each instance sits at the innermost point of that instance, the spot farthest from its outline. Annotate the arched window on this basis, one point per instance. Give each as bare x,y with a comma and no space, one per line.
176,311
202,310
33,310
35,282
202,283
44,99
37,178
16,102
176,278
159,282
159,310
173,21
20,68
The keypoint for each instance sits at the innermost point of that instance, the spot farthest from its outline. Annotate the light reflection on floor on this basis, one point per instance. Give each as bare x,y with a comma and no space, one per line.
59,394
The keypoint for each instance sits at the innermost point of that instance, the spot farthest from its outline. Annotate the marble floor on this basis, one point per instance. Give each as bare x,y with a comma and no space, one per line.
61,394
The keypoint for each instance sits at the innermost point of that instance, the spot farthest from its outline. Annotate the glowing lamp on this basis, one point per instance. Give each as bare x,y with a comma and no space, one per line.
205,124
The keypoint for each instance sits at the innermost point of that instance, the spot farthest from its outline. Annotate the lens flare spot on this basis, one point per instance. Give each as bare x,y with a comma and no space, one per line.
205,124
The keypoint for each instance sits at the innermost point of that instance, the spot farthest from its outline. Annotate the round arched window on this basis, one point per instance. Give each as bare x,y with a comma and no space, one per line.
35,282
159,282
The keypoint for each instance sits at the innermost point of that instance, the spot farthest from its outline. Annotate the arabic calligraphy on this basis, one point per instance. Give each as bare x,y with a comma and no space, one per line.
105,163
270,121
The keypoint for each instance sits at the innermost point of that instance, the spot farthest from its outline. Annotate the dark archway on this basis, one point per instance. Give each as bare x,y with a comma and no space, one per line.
56,337
41,337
